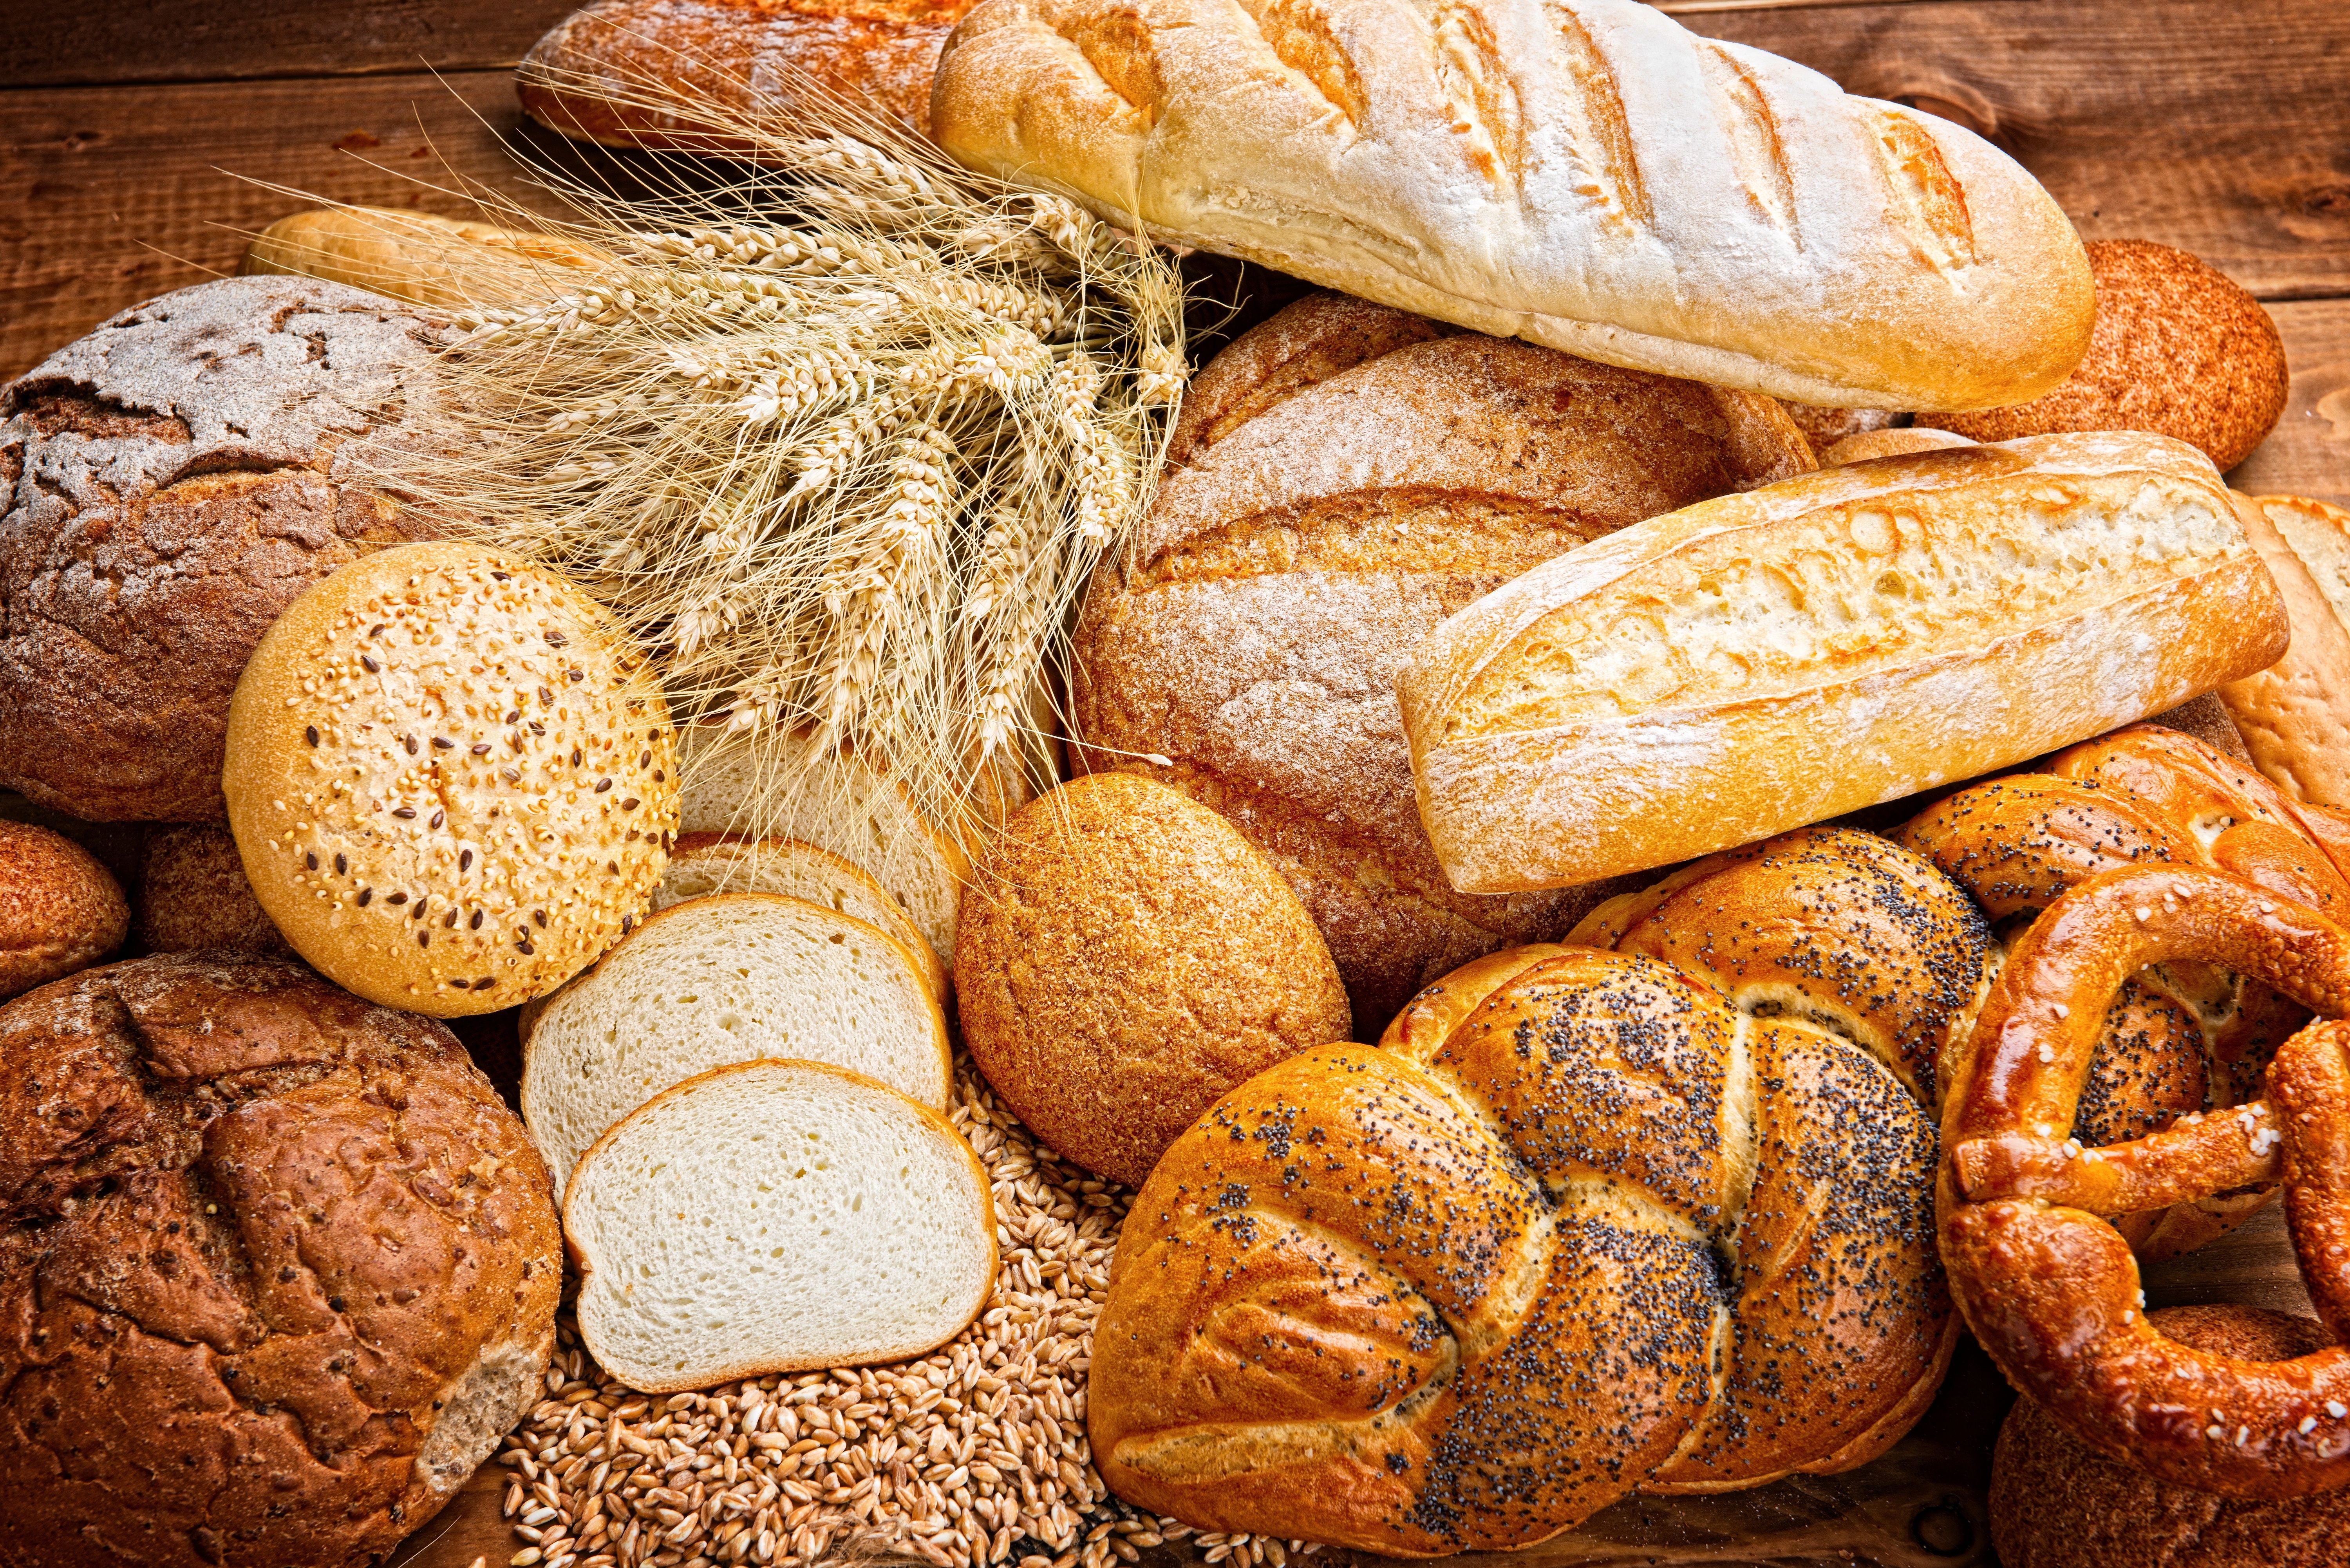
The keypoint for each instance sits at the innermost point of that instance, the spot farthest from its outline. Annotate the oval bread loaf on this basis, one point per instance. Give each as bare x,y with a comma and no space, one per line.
60,910
774,1217
422,257
729,978
1724,673
452,778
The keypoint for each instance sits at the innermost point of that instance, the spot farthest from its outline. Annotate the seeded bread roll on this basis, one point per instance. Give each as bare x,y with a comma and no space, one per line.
60,910
1124,959
193,895
452,779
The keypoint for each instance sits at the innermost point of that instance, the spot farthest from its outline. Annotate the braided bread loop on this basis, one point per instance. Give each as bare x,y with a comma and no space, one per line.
2043,1278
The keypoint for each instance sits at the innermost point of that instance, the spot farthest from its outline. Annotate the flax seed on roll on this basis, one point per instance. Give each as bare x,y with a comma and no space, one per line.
452,778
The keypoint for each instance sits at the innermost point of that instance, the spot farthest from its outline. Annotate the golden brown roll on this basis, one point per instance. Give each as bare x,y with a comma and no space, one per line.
60,910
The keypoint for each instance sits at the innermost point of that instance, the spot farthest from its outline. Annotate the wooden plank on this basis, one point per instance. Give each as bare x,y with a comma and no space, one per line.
179,40
2309,451
2210,124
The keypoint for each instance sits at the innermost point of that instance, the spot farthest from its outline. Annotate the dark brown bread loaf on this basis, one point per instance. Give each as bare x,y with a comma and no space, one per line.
278,1268
1349,475
192,894
172,481
2056,1503
603,71
60,910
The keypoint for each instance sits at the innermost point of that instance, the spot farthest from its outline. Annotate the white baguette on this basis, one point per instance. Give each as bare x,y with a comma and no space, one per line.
774,1217
1583,173
731,978
700,864
1746,665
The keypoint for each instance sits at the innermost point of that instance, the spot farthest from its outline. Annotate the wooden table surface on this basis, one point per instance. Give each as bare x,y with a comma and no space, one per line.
140,140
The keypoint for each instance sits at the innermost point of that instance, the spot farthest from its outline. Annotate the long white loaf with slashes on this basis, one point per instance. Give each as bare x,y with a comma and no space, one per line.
1749,664
1583,173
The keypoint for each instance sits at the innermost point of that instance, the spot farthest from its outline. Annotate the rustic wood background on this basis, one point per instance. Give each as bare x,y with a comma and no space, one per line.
139,141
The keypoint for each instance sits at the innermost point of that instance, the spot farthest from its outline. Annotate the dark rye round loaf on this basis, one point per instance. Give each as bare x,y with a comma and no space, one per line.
1346,476
278,1268
174,481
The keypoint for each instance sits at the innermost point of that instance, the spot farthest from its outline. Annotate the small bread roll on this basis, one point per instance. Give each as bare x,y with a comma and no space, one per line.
60,910
2057,1503
452,778
2180,349
2294,715
193,895
1126,960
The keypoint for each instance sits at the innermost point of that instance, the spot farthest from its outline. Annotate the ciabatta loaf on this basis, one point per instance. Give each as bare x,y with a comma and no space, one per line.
727,979
700,864
1752,663
1583,173
775,1216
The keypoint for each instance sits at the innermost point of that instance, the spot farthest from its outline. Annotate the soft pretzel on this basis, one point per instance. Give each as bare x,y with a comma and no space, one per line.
2047,1285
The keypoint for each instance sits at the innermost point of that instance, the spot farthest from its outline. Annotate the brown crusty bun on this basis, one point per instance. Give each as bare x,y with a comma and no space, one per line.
1124,959
179,476
1350,475
278,1268
2179,349
452,778
60,910
624,72
2294,715
193,895
2056,1503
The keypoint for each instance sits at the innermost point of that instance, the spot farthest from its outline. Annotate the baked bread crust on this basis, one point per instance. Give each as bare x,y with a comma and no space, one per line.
193,895
2056,1503
176,479
280,1269
1352,475
1853,636
603,72
60,910
1583,173
2294,716
1124,959
2180,349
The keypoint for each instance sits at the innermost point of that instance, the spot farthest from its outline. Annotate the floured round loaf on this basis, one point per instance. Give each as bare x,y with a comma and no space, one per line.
452,778
1350,475
1583,173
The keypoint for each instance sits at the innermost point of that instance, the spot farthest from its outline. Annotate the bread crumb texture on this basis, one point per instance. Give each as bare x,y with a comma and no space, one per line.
452,779
174,479
276,1269
1124,959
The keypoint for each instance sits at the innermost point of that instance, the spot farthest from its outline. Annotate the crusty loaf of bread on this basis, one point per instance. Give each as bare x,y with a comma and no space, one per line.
700,864
1584,173
773,1217
421,257
1744,665
729,978
1349,475
2294,715
626,72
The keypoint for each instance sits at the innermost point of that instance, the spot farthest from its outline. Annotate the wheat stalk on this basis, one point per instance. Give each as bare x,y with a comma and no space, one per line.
841,441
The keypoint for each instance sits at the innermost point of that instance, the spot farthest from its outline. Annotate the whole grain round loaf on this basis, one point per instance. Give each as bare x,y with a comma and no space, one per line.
2057,1503
452,778
174,479
1124,959
1349,475
193,895
2179,349
60,910
278,1268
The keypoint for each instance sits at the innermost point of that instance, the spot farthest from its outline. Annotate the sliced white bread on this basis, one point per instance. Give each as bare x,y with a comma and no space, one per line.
700,864
776,1217
783,788
732,978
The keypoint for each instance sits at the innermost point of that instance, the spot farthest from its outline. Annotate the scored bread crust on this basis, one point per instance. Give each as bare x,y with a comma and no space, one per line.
739,864
446,729
1584,173
2294,716
576,1195
1724,673
1353,474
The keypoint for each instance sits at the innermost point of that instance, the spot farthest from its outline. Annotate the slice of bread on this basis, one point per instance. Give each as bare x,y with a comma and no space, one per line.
732,978
774,1217
700,864
782,786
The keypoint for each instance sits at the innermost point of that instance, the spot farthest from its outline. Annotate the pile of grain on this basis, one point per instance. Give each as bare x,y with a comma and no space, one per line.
974,1455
